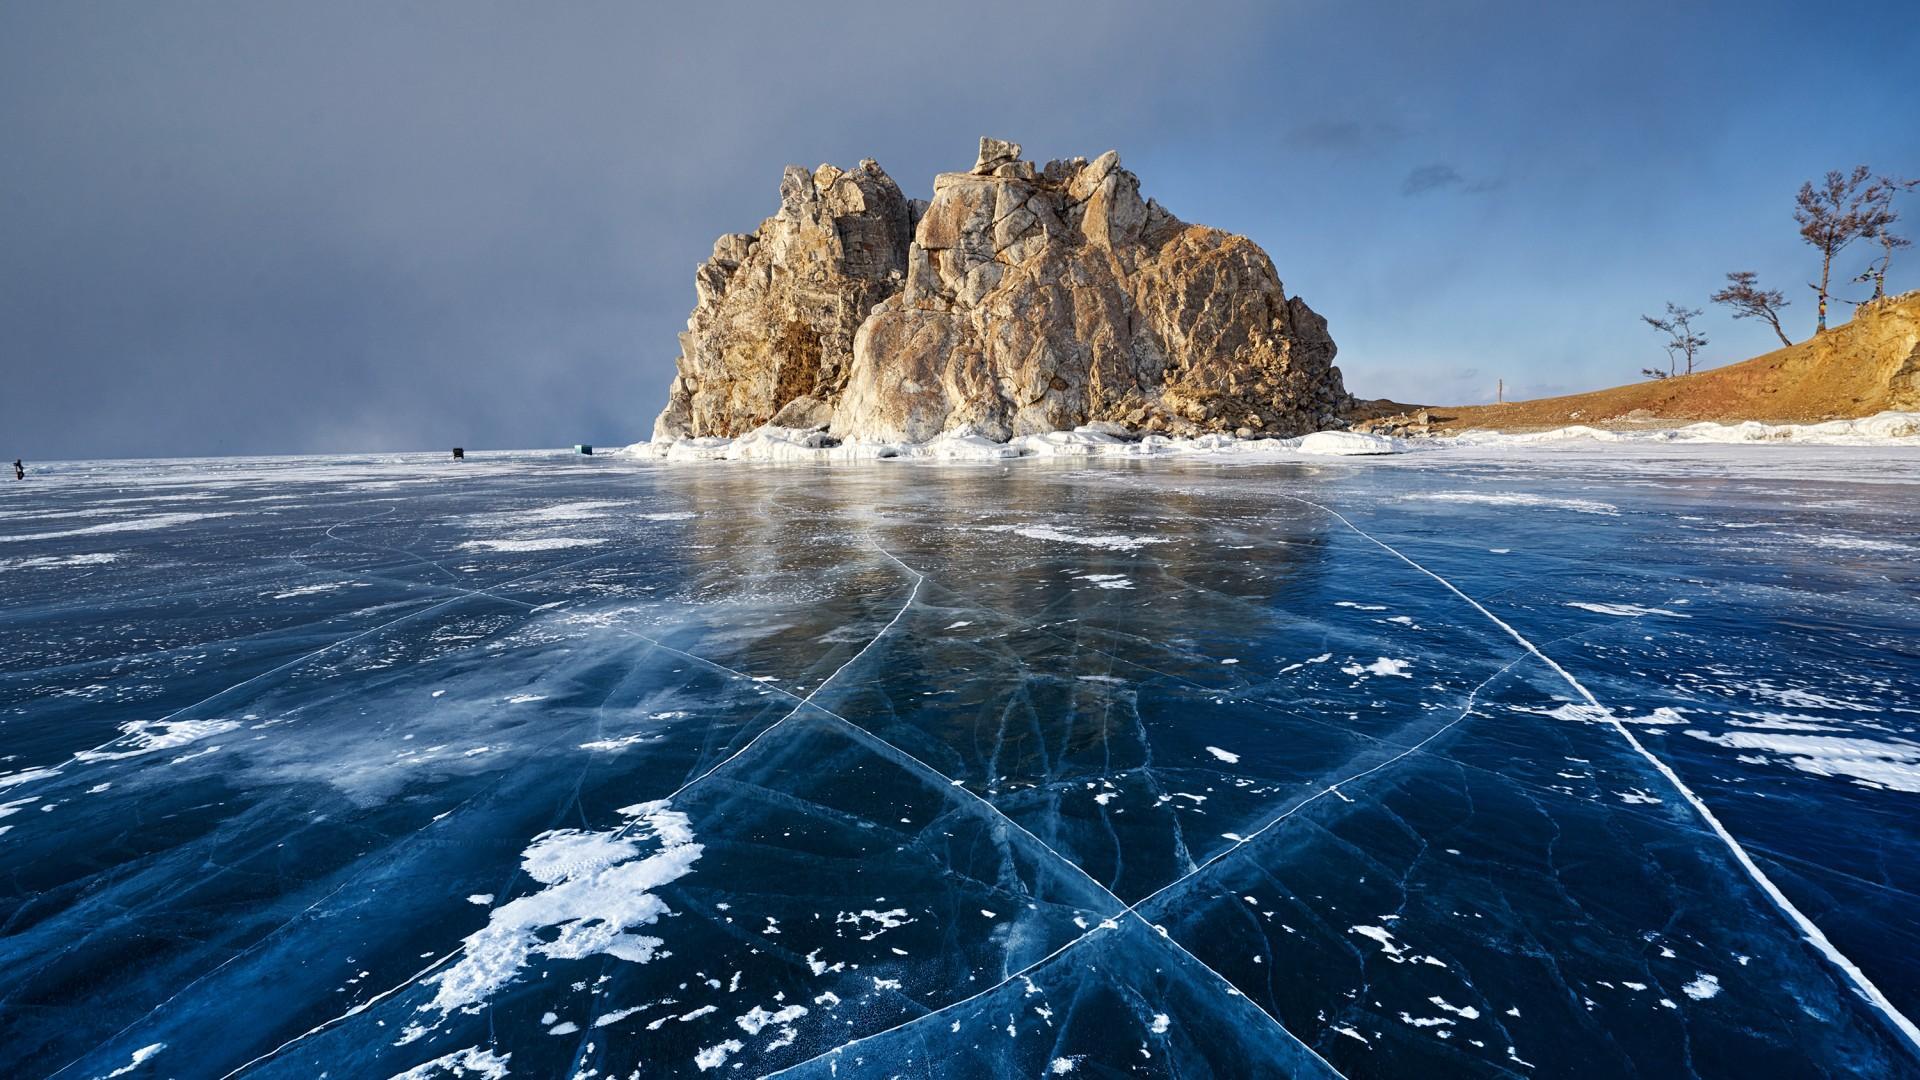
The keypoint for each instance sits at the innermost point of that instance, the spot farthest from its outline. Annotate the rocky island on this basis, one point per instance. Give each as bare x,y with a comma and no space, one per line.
1020,300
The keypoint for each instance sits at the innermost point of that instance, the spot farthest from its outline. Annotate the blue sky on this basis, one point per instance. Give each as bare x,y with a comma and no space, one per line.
243,228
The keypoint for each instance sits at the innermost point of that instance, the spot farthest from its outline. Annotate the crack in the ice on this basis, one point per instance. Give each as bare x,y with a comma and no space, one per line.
912,595
1811,931
1106,924
462,594
803,702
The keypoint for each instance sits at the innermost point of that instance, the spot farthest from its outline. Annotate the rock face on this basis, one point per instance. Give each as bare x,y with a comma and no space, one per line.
1020,300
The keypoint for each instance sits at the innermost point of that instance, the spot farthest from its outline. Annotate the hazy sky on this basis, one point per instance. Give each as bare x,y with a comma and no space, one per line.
264,227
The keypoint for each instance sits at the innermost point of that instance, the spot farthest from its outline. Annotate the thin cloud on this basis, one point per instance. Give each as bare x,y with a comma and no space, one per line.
1431,178
1346,136
1439,176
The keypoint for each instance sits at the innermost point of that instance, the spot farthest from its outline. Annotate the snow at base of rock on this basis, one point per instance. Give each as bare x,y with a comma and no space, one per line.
778,444
1348,444
783,444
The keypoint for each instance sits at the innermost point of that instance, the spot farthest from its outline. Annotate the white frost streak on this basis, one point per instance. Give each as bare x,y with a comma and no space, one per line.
597,891
1625,611
50,562
1520,498
549,543
143,737
473,1061
1048,532
158,521
140,1057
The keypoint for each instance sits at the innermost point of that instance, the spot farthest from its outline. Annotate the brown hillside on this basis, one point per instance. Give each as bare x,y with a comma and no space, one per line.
1868,365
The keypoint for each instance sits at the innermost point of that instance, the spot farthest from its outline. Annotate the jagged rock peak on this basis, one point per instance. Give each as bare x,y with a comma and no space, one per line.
1019,300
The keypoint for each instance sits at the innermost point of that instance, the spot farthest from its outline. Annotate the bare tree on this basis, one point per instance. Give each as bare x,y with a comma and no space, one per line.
1681,341
1833,215
1879,200
1749,301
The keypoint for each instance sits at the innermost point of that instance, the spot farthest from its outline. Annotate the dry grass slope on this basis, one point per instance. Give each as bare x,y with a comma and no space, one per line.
1868,365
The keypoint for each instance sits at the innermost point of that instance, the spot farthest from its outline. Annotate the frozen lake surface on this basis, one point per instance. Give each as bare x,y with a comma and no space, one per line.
1540,762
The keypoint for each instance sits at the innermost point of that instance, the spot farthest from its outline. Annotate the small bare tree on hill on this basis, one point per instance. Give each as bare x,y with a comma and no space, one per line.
1749,301
1879,199
1843,208
1681,341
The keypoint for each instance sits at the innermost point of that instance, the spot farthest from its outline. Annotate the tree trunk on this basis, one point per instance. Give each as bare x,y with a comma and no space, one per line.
1826,270
1781,334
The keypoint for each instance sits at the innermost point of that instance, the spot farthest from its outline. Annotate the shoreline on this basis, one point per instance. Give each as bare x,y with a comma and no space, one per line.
771,444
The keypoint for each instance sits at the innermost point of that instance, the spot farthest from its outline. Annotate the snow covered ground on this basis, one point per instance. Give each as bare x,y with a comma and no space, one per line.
1535,757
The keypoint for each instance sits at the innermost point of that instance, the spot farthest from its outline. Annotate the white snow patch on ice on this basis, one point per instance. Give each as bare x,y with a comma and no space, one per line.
715,1056
1594,714
619,744
543,543
1224,755
474,1060
310,590
158,521
1702,988
1380,934
1624,610
51,562
757,1018
1854,543
1112,542
567,511
598,890
24,776
616,1016
1518,498
1894,765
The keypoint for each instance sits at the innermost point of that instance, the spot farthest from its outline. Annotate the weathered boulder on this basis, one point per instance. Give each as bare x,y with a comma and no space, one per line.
1020,300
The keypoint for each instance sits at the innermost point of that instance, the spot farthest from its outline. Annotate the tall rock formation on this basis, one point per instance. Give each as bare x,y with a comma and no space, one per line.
1020,300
